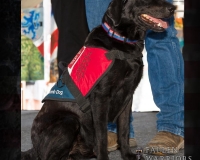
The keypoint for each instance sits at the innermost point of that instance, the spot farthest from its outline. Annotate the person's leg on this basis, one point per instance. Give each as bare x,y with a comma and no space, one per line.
165,67
112,127
70,18
112,135
95,10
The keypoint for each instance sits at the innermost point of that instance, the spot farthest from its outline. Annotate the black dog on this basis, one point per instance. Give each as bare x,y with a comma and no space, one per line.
61,131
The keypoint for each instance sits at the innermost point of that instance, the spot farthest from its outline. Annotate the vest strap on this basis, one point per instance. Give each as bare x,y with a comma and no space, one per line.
81,100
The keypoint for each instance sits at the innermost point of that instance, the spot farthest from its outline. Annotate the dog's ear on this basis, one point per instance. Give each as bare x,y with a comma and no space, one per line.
114,11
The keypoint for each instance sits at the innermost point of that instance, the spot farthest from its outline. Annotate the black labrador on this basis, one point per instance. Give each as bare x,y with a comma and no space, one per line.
61,131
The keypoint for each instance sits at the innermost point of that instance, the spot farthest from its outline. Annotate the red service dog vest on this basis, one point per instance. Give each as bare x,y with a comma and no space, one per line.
87,67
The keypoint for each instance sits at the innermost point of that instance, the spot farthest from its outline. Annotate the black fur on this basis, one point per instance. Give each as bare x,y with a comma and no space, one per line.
61,131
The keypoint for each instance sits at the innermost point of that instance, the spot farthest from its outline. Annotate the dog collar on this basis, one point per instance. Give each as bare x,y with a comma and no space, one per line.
115,35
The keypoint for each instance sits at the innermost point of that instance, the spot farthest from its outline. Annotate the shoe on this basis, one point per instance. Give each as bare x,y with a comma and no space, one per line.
112,142
164,143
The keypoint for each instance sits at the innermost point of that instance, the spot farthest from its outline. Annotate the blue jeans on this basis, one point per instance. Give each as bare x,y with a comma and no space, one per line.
165,68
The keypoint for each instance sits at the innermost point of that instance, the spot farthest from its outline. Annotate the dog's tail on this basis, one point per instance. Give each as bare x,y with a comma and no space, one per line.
28,155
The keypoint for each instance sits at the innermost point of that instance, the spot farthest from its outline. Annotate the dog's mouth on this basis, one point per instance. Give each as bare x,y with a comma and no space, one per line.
154,23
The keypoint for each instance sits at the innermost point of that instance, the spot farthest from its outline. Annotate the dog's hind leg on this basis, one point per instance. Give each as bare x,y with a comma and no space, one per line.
54,137
123,133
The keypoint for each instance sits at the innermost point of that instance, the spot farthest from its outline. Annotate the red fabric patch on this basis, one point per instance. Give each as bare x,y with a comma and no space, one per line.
87,67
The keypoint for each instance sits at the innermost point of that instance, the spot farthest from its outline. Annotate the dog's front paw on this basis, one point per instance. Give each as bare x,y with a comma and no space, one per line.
139,157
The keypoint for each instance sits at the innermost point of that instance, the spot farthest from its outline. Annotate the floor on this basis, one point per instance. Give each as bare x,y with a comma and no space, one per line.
144,125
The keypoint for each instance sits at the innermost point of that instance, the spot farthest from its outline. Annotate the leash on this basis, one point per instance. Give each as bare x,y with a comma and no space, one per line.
66,79
113,34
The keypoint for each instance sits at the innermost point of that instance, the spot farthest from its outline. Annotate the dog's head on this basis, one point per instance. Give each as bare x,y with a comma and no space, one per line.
142,14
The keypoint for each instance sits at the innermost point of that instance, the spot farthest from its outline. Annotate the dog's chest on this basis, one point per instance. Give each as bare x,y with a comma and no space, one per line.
123,82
